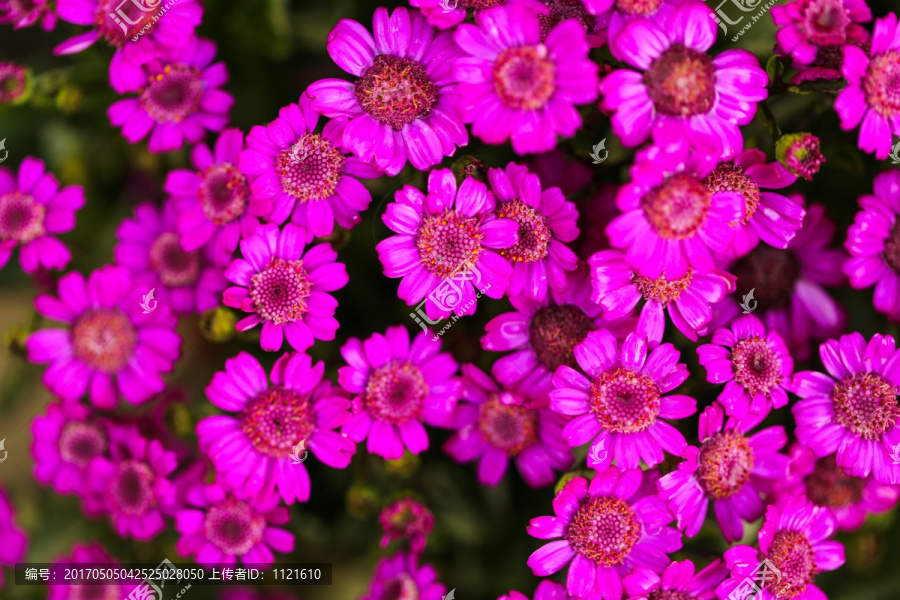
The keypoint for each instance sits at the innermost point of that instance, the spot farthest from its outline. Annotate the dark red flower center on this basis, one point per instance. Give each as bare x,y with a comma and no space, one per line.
132,488
792,554
892,248
682,82
638,7
826,22
560,10
669,595
104,339
277,420
174,265
604,530
112,15
881,84
524,77
771,273
234,527
448,242
661,289
21,218
555,330
280,291
396,91
677,208
223,193
756,366
395,393
401,587
726,461
173,94
828,485
624,401
866,404
508,427
81,441
534,232
311,169
729,177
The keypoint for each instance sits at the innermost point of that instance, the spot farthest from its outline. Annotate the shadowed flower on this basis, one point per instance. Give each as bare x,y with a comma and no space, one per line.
444,14
89,554
613,15
551,13
557,169
594,214
808,26
12,539
678,582
401,577
24,13
14,81
546,590
406,519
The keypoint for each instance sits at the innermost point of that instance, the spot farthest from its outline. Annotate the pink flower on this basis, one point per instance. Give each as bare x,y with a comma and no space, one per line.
406,519
679,580
27,13
401,576
809,26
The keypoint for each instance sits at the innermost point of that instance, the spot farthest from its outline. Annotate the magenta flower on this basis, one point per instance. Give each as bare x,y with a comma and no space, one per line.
678,581
447,233
396,386
26,13
14,81
253,450
13,542
227,527
403,104
178,93
406,519
32,210
800,153
546,222
551,13
793,540
753,363
495,425
810,26
608,528
546,590
401,576
111,347
298,171
90,554
722,94
853,410
285,289
613,15
619,405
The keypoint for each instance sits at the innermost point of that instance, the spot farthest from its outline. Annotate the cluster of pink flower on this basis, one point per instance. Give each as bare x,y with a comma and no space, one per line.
700,220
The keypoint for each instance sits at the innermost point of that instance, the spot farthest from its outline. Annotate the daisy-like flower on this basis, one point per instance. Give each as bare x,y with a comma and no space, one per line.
24,13
853,411
872,96
285,289
800,153
518,85
406,519
497,425
551,13
873,242
252,449
618,288
111,347
794,539
608,527
681,93
223,527
300,172
680,581
32,211
557,169
89,554
400,576
150,248
730,468
13,542
619,405
178,93
402,105
447,245
809,26
14,82
546,590
396,386
753,363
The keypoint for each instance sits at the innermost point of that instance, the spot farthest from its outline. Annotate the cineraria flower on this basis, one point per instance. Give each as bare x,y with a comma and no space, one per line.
793,540
619,405
800,154
515,86
111,346
403,104
682,93
447,237
150,248
24,13
406,519
285,289
213,203
853,410
178,93
730,468
400,576
437,13
397,385
299,171
551,13
677,582
12,539
613,15
32,210
609,527
546,221
754,364
809,25
495,425
546,590
227,527
557,169
828,61
618,288
252,449
90,554
14,81
873,94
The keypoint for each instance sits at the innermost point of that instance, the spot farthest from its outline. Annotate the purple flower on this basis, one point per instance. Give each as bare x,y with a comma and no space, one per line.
91,554
400,576
546,590
853,410
678,581
298,171
32,210
403,103
729,468
613,15
397,385
406,519
26,13
800,153
111,347
448,233
495,425
619,405
608,528
285,289
793,539
516,86
252,450
722,94
828,61
178,93
12,539
808,26
14,82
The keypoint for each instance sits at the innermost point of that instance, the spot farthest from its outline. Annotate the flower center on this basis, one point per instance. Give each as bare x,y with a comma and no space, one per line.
828,485
223,193
604,530
280,291
534,232
677,207
554,332
401,587
682,82
661,289
113,15
638,7
756,366
560,10
447,242
726,460
396,91
174,265
524,77
793,556
826,22
770,272
729,177
669,595
79,442
21,218
234,527
866,404
508,427
624,401
395,393
310,169
132,488
104,339
892,248
173,94
882,83
276,420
